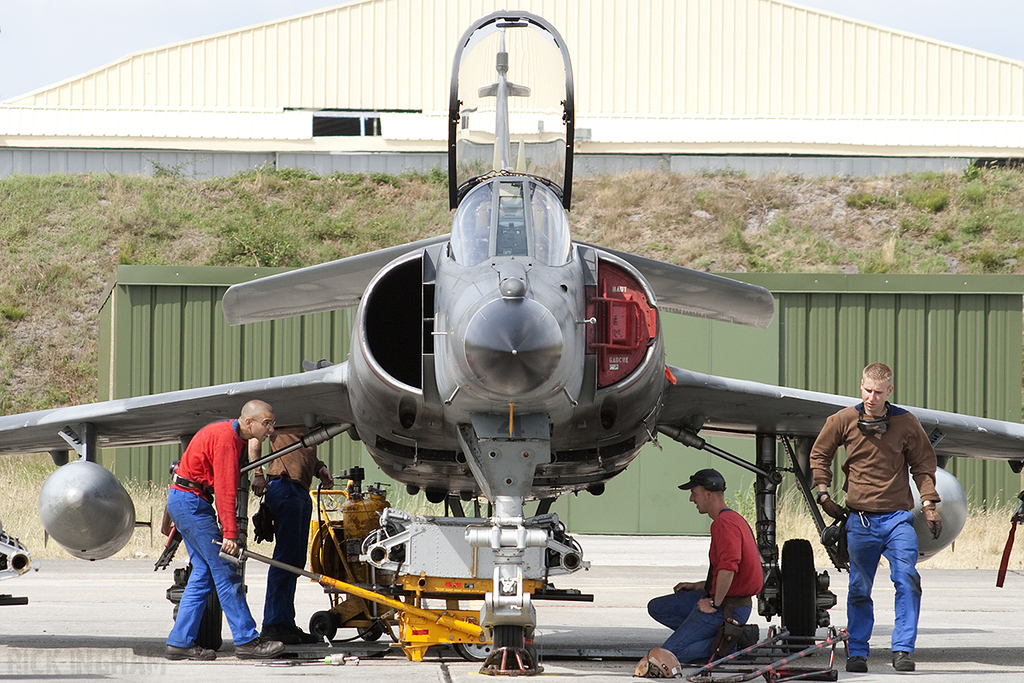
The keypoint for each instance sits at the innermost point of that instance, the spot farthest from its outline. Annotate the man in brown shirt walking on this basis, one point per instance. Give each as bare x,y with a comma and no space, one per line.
885,445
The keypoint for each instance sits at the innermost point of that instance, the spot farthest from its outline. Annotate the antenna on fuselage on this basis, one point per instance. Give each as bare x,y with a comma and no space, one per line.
502,89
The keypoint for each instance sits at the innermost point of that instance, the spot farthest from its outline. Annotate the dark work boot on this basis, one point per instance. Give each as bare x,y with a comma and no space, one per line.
279,632
195,653
857,665
258,648
901,661
303,637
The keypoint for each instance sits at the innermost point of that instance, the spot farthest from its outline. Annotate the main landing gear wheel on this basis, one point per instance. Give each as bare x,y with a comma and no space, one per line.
510,655
324,623
799,589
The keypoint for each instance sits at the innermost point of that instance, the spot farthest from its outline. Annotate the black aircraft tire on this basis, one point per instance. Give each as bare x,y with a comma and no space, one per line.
799,588
209,635
509,636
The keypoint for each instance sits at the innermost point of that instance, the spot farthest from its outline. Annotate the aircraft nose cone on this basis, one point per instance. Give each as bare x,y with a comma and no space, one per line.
513,346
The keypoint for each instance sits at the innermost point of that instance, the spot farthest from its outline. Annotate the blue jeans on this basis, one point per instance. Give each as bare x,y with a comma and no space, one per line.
292,508
869,537
694,631
197,523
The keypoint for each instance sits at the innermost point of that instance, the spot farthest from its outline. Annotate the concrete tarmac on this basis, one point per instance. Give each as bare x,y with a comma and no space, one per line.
108,621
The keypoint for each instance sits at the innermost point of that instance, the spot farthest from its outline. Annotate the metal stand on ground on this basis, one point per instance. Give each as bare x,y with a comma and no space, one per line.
772,658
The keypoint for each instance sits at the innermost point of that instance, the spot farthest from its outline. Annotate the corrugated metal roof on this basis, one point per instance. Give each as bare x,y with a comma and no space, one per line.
738,75
670,57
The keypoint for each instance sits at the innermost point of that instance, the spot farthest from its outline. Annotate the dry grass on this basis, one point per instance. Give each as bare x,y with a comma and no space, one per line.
64,236
914,223
23,477
979,546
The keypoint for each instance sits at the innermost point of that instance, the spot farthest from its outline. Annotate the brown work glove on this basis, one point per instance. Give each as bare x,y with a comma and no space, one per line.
326,478
831,508
931,515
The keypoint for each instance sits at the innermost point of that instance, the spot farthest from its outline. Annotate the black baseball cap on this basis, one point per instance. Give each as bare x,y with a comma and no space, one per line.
711,480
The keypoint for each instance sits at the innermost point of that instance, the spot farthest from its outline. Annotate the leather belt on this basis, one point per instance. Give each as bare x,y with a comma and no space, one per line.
192,485
737,601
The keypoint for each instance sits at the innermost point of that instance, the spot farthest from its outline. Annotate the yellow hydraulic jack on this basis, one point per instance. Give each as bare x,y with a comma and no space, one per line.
418,628
331,553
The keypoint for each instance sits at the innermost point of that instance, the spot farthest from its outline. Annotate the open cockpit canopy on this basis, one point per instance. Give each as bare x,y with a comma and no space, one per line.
510,105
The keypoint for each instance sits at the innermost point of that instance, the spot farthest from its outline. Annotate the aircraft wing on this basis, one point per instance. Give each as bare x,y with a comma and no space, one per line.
730,406
703,295
324,287
165,418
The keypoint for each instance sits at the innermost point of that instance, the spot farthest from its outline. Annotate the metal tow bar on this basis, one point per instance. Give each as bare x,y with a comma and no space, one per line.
418,628
768,658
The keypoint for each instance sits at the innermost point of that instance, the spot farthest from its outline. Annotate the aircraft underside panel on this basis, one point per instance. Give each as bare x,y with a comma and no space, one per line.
445,469
438,546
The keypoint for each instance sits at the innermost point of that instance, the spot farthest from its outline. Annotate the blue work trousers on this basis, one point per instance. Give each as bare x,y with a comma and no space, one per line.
694,632
291,506
197,522
869,537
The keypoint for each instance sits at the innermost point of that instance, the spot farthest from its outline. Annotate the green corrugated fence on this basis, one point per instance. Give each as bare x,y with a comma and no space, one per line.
162,329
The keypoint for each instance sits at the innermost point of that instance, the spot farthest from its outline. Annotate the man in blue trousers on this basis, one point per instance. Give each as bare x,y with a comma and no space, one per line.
885,445
286,486
207,476
696,610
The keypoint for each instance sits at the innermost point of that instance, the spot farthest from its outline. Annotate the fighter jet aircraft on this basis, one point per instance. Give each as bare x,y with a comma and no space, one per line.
503,360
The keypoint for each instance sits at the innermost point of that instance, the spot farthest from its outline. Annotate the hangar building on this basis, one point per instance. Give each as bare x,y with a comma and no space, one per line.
674,83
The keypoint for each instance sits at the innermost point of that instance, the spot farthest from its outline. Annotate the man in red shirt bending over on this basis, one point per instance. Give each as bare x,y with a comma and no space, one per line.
695,610
208,474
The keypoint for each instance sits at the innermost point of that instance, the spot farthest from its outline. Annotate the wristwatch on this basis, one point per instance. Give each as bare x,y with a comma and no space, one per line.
711,599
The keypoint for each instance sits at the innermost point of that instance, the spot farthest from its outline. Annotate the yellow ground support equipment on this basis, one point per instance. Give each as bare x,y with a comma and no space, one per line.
357,589
344,519
418,628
